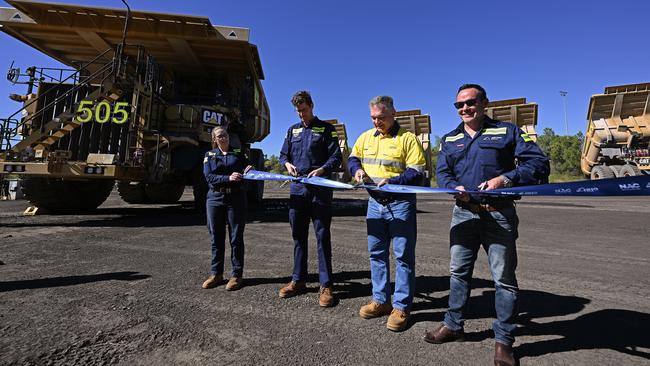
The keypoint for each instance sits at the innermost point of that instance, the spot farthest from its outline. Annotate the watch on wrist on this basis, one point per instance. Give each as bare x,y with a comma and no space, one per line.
507,183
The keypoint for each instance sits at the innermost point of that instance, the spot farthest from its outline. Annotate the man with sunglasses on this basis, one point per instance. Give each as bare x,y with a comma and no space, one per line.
310,149
483,154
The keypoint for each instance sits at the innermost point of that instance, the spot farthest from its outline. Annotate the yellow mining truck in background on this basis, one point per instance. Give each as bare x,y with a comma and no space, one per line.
420,125
517,111
618,133
343,175
137,104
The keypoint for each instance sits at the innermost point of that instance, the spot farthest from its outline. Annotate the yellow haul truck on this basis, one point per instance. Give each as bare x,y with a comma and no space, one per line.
420,125
618,133
342,174
517,111
136,105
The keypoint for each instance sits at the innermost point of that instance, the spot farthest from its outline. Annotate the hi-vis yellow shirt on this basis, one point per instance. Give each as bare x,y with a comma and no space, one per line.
388,156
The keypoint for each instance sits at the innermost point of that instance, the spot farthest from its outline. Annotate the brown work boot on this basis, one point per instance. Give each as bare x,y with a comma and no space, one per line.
397,320
293,288
234,283
443,335
503,355
212,281
325,298
374,310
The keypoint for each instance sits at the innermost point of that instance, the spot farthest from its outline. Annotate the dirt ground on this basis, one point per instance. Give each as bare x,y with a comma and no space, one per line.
122,286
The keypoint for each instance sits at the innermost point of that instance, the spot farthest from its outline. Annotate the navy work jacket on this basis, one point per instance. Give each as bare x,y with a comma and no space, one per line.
311,147
499,148
218,167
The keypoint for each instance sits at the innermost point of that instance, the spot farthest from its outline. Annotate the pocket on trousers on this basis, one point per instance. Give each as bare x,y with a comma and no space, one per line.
460,215
506,219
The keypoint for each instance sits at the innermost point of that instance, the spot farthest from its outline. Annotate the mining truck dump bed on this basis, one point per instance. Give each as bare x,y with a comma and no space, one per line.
618,132
517,111
420,125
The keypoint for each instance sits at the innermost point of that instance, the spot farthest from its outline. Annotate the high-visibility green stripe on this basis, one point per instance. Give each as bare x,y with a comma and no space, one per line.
318,129
454,138
495,131
526,137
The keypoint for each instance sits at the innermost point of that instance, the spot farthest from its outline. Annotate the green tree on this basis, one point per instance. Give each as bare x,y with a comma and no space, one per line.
545,139
435,151
564,152
273,165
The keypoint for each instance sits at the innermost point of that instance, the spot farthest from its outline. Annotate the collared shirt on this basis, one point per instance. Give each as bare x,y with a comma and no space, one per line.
218,167
397,155
311,147
498,148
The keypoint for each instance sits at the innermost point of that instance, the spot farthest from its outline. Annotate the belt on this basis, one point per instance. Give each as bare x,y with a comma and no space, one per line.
226,189
384,200
485,207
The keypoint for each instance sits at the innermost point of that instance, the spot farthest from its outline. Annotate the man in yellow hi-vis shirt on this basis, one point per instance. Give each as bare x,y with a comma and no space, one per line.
384,154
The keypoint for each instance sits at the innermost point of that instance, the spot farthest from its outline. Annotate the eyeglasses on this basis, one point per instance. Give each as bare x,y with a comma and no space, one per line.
469,102
222,136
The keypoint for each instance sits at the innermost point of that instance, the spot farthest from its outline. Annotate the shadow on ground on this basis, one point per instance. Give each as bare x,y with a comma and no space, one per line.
39,283
183,214
615,329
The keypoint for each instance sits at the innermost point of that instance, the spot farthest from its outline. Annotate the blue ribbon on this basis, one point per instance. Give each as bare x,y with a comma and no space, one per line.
628,186
316,181
257,175
396,188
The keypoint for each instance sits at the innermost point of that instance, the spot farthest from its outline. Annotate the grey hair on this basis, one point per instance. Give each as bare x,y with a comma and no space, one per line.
214,131
384,100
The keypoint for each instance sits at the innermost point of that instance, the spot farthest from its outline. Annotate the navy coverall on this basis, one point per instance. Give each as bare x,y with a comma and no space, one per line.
498,148
309,148
226,203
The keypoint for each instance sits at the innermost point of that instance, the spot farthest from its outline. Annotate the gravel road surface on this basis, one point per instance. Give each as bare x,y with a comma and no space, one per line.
122,285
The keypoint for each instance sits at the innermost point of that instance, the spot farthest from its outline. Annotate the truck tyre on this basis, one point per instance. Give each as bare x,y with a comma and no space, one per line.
256,187
629,170
132,192
616,169
66,196
164,192
199,188
601,172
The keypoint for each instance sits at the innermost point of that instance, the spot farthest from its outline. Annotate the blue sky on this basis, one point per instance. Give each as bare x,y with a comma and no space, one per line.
346,52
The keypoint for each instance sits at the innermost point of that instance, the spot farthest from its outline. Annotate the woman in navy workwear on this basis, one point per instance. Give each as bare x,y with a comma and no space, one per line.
223,168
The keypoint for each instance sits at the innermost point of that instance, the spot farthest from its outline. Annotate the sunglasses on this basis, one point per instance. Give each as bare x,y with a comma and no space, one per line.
469,102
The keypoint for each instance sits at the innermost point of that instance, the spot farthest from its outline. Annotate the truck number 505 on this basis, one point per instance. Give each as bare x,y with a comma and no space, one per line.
103,112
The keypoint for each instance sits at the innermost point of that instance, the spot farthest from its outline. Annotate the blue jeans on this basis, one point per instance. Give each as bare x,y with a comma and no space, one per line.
394,222
497,232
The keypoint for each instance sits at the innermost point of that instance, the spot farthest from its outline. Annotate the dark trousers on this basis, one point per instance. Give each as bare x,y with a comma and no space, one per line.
315,204
226,210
